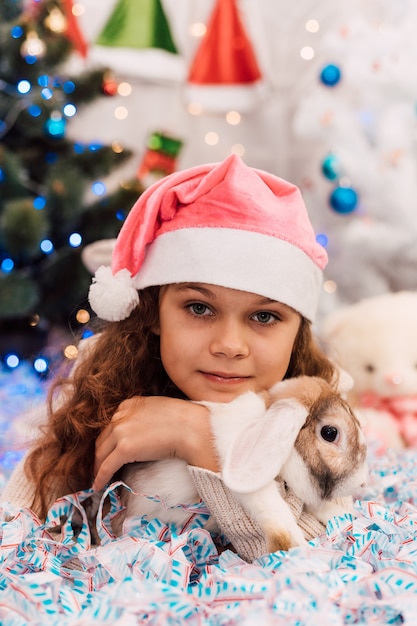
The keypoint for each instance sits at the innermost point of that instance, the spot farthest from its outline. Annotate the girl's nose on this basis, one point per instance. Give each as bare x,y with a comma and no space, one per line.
229,340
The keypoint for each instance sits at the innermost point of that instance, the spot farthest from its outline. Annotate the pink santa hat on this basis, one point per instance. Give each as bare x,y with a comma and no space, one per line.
223,224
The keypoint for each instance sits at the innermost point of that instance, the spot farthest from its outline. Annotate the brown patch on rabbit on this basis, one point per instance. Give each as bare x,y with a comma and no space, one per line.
278,539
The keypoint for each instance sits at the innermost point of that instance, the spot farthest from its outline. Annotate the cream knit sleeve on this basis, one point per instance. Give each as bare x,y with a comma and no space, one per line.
245,535
19,491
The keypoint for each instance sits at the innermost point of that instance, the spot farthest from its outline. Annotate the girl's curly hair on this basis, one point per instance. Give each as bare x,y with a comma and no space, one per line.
122,361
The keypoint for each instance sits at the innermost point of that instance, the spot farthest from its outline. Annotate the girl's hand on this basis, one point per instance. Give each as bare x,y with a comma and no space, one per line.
153,428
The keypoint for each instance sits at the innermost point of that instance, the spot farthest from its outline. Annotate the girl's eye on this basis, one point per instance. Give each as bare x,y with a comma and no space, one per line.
264,317
197,308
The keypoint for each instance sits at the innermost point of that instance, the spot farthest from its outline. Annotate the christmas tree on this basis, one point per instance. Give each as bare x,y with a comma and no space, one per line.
44,218
358,118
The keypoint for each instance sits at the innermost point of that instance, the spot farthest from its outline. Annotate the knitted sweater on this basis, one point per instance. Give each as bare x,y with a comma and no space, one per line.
245,535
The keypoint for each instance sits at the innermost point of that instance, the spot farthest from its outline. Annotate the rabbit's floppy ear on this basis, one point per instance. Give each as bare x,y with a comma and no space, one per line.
259,451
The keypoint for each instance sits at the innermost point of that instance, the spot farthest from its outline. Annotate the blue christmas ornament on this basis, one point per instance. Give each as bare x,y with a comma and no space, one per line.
331,167
330,75
343,200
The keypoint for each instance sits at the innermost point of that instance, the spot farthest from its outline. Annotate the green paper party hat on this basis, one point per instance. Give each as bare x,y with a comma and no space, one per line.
137,24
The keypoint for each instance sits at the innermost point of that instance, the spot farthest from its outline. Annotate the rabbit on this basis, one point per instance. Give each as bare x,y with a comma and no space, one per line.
301,430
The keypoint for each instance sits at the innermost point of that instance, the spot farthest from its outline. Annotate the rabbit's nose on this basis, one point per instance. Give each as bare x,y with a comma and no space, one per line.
393,378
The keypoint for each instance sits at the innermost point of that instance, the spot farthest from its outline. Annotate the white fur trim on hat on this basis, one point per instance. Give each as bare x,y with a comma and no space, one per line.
237,259
113,296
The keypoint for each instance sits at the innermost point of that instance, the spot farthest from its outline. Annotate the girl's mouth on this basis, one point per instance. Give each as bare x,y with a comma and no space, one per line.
225,378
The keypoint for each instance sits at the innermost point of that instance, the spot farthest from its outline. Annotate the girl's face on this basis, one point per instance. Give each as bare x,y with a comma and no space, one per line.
217,343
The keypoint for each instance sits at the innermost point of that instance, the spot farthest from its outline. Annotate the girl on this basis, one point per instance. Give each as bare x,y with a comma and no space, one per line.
214,284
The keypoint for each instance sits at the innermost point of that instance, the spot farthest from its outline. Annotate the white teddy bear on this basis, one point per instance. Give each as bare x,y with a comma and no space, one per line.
375,340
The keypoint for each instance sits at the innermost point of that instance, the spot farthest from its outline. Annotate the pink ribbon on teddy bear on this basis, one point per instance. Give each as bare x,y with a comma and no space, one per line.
402,408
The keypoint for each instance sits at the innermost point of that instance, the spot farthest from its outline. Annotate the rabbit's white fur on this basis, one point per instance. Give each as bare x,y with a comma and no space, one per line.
258,437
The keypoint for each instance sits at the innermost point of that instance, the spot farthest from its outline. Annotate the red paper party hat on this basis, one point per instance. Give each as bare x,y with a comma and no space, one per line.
225,73
73,31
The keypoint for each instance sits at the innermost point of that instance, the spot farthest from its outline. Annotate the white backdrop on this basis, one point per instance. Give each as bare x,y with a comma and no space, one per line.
277,31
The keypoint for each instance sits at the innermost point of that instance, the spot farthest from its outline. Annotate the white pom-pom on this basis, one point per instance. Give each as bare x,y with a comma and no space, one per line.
113,296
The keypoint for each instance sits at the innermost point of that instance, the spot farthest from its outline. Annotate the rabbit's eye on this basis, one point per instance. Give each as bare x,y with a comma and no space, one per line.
329,433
